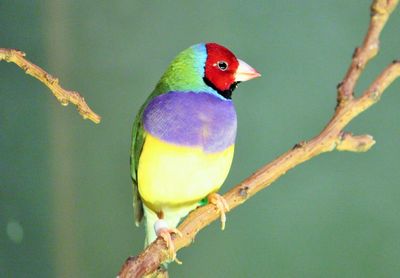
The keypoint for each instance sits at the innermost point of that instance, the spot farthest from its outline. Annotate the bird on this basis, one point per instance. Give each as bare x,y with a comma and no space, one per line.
183,139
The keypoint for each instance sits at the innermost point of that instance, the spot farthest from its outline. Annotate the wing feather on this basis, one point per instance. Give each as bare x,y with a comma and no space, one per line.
138,139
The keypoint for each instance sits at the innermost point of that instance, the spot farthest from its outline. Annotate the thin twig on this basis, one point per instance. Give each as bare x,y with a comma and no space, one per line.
62,95
380,12
331,138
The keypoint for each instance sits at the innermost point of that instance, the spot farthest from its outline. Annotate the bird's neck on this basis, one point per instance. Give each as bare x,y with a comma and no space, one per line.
186,72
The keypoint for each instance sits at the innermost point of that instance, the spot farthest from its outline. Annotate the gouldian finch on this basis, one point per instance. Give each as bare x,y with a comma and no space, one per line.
183,138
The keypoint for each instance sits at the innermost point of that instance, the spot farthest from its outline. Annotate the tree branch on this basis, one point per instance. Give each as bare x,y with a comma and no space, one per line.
331,137
62,95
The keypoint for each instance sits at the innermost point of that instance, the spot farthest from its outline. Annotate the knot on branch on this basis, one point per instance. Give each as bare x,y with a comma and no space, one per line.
299,145
51,79
243,192
353,143
380,7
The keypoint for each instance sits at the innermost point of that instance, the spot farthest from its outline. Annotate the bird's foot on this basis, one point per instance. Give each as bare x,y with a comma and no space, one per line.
162,230
221,204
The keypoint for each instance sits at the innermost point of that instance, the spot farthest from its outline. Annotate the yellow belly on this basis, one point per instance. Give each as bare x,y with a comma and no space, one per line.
171,175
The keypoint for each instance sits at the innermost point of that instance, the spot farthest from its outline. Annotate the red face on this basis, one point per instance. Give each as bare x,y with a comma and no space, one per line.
221,66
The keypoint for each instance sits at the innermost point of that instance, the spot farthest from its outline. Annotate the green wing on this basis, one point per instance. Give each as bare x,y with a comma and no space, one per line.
138,137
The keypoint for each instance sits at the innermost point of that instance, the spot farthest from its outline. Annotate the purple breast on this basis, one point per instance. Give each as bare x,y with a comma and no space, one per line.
192,119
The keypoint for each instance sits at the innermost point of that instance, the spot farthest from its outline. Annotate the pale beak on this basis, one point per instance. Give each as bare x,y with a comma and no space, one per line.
244,72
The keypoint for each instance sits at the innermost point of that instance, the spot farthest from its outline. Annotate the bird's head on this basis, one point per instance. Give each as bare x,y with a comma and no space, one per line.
206,67
223,71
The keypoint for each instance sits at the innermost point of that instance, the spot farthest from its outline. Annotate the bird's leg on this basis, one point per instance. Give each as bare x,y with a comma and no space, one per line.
221,204
162,230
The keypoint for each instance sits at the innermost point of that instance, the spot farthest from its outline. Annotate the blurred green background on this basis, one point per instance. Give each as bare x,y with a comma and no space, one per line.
65,190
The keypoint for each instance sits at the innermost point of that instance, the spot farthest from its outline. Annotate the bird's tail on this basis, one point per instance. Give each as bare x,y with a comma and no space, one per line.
171,215
150,219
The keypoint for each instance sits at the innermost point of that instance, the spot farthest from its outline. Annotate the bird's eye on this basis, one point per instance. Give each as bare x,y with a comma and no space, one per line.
222,65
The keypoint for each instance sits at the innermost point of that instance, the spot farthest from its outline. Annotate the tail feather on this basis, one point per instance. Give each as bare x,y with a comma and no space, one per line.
150,219
172,216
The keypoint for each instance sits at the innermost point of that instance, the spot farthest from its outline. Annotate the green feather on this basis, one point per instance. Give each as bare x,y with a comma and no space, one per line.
184,74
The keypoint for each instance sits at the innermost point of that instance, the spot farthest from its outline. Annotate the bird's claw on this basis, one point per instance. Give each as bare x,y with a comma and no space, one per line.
222,206
165,233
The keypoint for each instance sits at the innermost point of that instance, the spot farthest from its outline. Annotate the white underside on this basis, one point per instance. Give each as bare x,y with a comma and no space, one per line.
172,217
